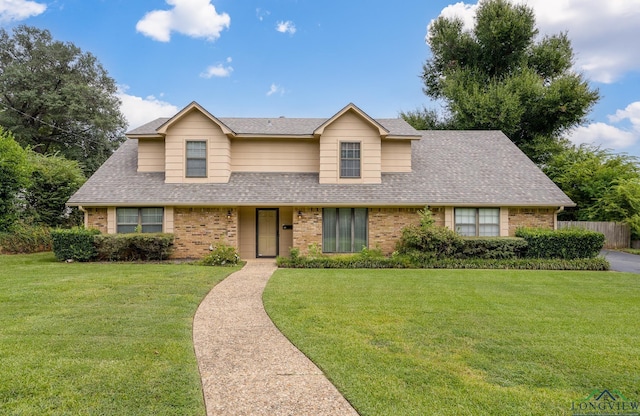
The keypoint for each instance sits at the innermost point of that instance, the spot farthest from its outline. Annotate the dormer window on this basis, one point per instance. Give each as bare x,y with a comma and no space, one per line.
349,159
196,159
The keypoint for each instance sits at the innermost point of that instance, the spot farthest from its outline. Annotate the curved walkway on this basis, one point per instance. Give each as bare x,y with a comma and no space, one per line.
247,366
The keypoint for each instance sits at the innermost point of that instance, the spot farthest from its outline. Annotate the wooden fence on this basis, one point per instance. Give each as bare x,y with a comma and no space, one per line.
617,235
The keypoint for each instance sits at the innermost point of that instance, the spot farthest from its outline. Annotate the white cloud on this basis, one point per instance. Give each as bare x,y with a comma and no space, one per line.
194,18
603,33
219,70
261,14
631,113
138,110
611,136
604,135
275,89
286,27
15,10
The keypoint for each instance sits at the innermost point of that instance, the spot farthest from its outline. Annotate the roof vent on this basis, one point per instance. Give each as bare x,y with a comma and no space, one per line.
281,116
268,122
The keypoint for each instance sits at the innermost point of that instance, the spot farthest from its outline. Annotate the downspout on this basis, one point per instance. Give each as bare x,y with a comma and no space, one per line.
555,217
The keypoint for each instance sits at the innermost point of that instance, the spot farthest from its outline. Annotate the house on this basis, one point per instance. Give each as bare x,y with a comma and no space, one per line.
266,185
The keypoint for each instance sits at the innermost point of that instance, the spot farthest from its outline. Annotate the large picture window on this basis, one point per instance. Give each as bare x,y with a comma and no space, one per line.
196,159
350,159
149,220
478,222
344,230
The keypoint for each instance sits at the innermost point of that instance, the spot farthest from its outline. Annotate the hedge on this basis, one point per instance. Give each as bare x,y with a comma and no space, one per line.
492,248
133,247
74,244
566,243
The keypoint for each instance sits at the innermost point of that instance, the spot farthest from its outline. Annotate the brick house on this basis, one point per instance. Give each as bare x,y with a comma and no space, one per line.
266,185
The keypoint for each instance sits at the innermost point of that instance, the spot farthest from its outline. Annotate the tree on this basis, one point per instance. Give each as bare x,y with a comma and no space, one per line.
14,174
56,98
426,119
52,181
498,76
604,186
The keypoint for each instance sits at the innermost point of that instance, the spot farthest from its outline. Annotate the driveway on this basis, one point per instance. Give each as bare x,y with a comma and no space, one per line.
622,262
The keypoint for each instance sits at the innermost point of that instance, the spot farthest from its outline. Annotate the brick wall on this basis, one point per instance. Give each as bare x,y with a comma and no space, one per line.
97,218
307,228
385,225
531,217
195,229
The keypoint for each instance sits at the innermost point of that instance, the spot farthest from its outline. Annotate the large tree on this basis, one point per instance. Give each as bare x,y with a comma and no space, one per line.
14,176
56,98
500,75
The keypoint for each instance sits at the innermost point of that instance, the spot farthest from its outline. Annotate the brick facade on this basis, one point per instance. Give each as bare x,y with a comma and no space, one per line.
195,229
307,228
531,217
96,218
385,225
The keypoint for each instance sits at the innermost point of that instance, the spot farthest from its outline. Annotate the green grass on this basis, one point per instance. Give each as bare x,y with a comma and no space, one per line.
631,250
99,339
464,342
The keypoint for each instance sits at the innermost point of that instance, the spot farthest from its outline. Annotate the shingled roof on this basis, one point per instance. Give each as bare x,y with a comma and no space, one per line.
452,168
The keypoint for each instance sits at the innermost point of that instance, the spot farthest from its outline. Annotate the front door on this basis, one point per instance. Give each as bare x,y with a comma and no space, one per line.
267,232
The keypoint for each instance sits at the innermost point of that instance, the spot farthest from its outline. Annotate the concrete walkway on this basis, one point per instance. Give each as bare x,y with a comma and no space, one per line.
247,366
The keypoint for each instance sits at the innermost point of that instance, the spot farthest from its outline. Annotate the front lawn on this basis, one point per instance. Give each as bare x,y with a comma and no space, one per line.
99,339
464,342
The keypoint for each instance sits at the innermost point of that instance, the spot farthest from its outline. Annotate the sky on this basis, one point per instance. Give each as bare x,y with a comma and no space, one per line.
310,58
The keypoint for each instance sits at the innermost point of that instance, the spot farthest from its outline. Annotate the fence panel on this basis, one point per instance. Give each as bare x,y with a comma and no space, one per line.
617,235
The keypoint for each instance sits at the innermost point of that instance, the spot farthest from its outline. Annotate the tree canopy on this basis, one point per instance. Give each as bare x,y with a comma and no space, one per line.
501,76
56,98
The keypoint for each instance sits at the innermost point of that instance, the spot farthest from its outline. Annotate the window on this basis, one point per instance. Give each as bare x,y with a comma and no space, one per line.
344,230
196,159
148,219
349,159
478,222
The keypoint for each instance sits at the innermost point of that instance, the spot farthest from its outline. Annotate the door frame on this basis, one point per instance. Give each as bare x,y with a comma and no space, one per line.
277,211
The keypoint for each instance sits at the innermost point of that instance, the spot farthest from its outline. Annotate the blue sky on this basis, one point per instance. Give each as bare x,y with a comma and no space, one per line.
309,58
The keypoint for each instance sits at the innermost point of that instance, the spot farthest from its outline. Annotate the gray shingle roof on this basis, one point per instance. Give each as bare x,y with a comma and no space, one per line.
279,126
449,168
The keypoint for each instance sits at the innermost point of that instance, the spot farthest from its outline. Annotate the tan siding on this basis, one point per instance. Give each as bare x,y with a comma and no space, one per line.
111,220
168,220
286,236
350,127
151,155
396,156
275,155
247,233
504,222
195,126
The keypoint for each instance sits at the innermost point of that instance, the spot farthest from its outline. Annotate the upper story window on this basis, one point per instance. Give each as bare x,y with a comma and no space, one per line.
350,159
196,159
478,222
146,220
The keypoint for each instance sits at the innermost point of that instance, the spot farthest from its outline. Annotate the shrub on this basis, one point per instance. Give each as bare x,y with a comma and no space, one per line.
221,255
492,248
437,242
566,243
134,247
25,239
428,239
74,244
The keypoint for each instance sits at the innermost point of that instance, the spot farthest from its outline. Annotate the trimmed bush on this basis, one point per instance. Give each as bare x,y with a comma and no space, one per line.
566,243
25,239
492,248
74,244
221,255
134,247
428,239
